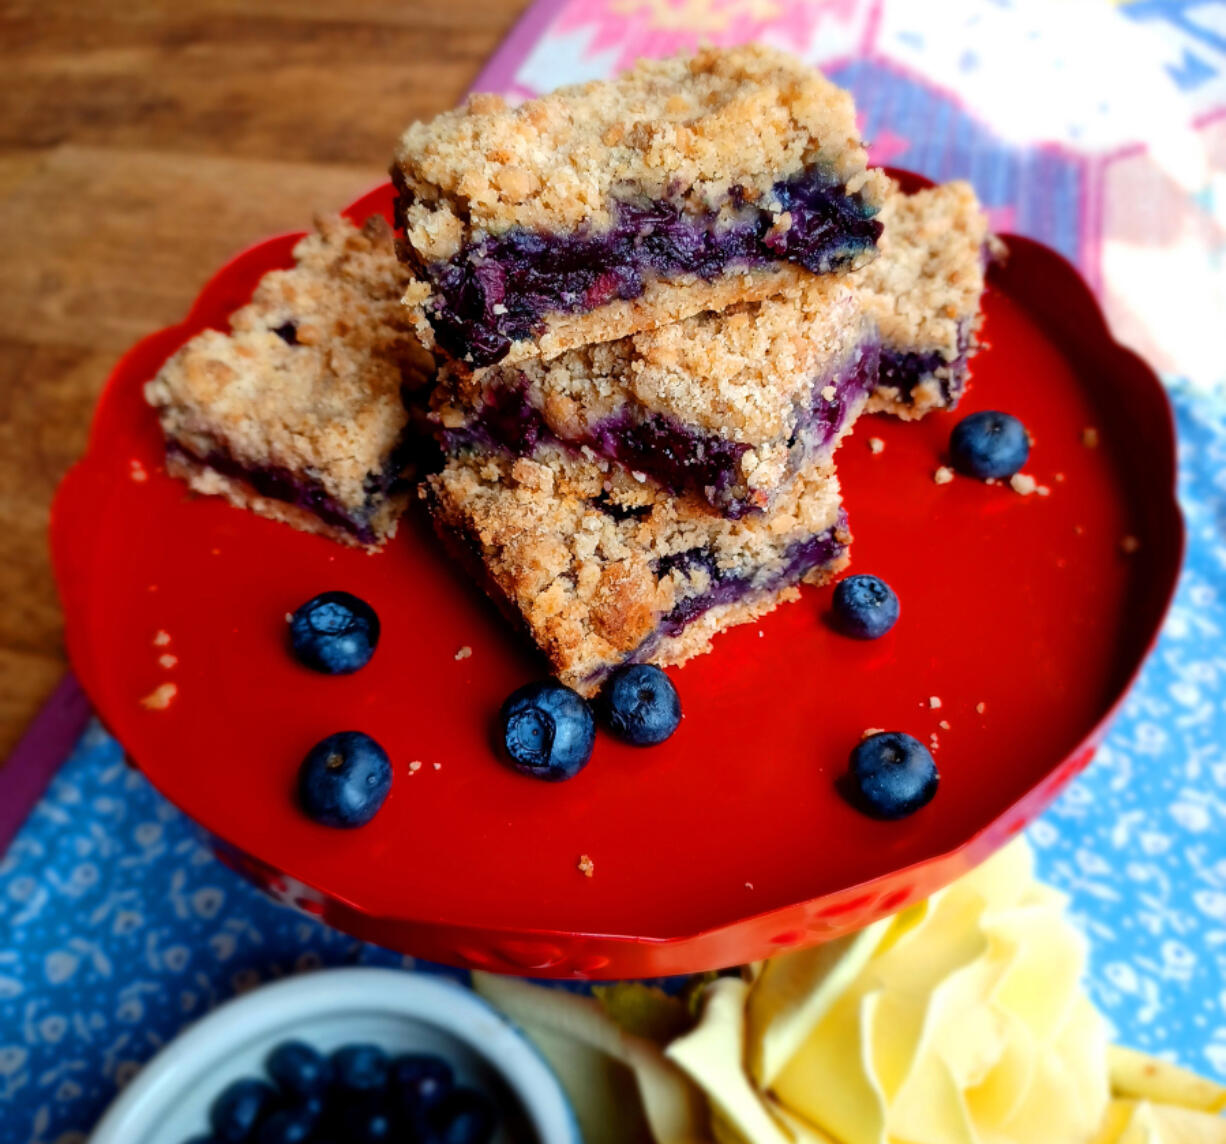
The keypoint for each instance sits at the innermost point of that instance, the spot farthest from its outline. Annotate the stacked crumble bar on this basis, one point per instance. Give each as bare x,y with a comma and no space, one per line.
638,317
658,304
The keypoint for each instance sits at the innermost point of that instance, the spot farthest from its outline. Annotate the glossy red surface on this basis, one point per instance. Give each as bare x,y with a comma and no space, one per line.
1020,615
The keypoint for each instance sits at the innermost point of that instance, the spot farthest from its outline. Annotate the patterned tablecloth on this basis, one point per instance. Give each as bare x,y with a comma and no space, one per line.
1099,129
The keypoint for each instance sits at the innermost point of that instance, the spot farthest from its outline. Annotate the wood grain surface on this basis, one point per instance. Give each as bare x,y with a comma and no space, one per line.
141,143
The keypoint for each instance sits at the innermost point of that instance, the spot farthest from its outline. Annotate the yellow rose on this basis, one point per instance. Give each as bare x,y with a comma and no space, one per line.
959,1021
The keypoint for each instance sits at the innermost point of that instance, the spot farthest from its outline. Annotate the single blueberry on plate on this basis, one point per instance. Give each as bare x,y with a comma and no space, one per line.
893,775
298,1069
288,1126
547,730
238,1109
989,445
334,632
641,705
865,607
419,1080
359,1069
463,1116
344,779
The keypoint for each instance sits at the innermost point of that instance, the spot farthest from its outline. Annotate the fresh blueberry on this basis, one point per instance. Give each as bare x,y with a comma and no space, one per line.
298,1069
865,607
359,1069
344,779
989,444
289,1126
641,705
419,1080
547,731
893,775
334,632
238,1108
463,1116
364,1122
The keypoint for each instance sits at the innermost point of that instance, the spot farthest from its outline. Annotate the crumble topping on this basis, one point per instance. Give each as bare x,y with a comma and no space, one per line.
691,126
309,378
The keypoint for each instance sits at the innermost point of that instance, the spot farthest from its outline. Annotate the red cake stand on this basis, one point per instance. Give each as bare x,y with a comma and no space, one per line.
1024,619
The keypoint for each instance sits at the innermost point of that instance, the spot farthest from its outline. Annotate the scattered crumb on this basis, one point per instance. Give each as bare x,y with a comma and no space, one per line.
464,652
829,392
869,732
1079,529
1129,545
1022,483
1059,478
289,617
1043,490
137,472
167,660
943,475
160,697
981,707
934,701
586,866
437,766
161,638
415,766
933,741
1089,437
991,481
876,445
749,885
944,724
761,634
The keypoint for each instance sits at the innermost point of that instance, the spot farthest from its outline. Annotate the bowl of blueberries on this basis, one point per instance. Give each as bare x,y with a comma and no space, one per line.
346,1056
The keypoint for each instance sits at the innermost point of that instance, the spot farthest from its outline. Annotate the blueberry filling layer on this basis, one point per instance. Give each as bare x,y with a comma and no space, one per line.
725,587
282,484
905,372
498,290
673,454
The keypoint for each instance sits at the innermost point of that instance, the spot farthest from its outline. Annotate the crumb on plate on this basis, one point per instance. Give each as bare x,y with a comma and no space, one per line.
415,766
981,707
586,866
1023,483
943,475
934,701
875,445
463,653
167,660
1089,437
160,697
1129,545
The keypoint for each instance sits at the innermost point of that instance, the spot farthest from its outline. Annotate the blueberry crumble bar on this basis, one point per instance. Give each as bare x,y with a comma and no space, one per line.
727,406
684,185
730,406
299,412
923,293
603,569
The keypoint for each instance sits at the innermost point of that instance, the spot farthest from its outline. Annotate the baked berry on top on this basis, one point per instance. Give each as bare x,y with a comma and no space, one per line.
547,731
641,705
989,445
864,607
335,633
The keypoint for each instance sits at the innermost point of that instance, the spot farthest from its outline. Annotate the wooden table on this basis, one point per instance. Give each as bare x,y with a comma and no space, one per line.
141,143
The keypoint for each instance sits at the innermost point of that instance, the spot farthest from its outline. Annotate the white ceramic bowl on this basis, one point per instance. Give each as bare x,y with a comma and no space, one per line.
168,1101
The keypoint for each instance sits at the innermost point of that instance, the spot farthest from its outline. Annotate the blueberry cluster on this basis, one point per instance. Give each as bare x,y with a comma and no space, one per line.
548,731
357,1095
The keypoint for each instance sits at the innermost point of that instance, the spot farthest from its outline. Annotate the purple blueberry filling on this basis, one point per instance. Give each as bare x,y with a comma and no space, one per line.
728,588
282,484
674,455
498,290
905,371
